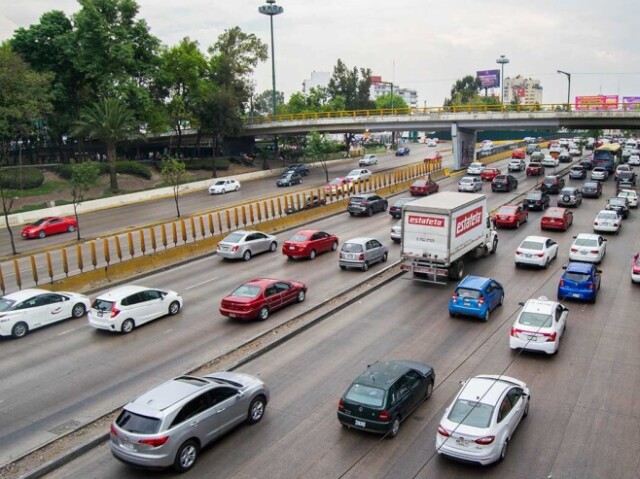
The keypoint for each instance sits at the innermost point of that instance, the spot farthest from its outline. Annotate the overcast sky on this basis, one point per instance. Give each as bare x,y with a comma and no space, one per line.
421,44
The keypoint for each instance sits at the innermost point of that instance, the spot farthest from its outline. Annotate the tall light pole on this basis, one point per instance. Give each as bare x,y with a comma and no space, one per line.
501,61
272,9
568,88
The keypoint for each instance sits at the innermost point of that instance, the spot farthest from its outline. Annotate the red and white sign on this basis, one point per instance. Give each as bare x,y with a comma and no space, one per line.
468,221
426,221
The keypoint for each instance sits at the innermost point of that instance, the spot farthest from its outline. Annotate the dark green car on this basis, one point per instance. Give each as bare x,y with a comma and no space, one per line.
384,395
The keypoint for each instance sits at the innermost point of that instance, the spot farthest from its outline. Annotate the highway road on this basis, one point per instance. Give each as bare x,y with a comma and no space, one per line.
584,416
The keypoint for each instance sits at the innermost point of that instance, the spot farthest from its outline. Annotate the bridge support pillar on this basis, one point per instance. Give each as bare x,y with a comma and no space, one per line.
464,145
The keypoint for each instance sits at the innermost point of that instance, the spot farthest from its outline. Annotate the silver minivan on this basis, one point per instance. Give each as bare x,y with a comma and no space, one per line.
362,253
169,425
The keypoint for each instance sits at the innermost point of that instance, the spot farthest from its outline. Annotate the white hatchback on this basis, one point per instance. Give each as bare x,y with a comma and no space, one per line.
22,311
475,168
480,422
224,186
550,161
588,248
539,326
607,221
634,160
631,196
127,307
537,251
358,175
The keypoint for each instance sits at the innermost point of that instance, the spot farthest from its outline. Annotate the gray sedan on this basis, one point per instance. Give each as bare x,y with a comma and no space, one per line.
243,244
361,253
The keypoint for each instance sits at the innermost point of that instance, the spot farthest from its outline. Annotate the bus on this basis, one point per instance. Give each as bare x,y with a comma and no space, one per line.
608,156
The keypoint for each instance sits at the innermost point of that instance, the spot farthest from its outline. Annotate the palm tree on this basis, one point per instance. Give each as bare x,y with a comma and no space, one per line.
110,121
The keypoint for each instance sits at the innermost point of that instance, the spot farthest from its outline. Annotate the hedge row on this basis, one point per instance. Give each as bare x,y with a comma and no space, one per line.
123,167
205,164
21,178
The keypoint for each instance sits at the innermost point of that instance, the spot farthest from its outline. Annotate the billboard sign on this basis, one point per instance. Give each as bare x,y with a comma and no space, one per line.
520,92
489,78
597,102
630,102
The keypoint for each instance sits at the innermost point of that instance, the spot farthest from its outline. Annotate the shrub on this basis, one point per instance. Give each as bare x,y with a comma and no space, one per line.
21,178
222,163
125,167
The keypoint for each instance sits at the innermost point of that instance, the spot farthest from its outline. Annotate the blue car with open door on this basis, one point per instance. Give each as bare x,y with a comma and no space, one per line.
476,296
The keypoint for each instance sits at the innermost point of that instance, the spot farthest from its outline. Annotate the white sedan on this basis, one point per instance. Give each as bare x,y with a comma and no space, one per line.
359,174
475,168
631,196
634,160
224,186
470,183
537,251
481,420
432,143
539,326
607,221
550,161
30,309
588,248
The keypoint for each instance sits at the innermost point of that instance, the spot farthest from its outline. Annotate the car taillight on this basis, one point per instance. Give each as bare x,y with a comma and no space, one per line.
154,442
591,285
539,255
518,251
454,297
384,415
575,250
481,300
114,311
442,431
341,405
235,248
514,331
562,282
485,440
551,337
114,431
594,251
361,256
615,224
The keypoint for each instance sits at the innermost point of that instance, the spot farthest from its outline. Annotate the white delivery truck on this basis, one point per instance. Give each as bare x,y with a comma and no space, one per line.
440,231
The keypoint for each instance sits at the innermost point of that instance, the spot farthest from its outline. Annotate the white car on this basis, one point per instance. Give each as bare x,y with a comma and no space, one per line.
358,175
539,326
607,221
574,151
563,142
224,186
537,251
470,183
631,196
432,143
516,165
29,309
622,168
123,309
550,161
396,232
475,168
588,248
368,160
482,418
634,160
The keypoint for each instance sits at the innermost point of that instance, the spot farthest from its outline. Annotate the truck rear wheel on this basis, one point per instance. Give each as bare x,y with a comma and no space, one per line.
457,270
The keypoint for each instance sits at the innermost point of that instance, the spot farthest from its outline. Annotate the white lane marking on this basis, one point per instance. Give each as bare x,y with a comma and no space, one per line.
168,331
67,331
201,283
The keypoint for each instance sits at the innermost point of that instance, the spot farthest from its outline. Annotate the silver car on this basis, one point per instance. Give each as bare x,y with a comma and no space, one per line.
169,425
470,183
362,253
244,244
396,232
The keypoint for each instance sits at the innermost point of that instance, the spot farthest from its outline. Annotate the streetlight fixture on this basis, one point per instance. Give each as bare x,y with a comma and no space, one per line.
501,61
272,9
568,88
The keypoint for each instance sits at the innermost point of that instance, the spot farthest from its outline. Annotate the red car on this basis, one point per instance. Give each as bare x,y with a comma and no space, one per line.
635,269
309,243
50,226
432,156
337,185
489,174
557,219
260,297
518,154
511,216
535,169
423,188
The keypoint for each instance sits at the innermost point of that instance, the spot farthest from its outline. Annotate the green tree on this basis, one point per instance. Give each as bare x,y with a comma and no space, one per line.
109,121
83,177
465,91
24,101
174,173
263,103
385,102
318,149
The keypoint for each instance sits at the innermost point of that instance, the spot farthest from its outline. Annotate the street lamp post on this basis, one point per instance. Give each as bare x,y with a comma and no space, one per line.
568,88
272,9
501,61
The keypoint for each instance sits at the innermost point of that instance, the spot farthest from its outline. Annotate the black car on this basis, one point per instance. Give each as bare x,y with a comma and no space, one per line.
552,184
395,210
310,202
504,183
289,179
300,168
587,164
537,200
592,189
402,151
384,395
366,204
626,179
564,157
619,204
570,196
577,173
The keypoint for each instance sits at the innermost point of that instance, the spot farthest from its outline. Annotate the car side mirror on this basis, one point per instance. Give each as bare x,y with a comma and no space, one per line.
462,382
521,303
564,308
564,267
599,271
574,237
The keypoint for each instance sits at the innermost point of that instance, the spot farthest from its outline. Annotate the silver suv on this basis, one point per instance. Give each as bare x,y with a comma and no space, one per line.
361,253
169,425
570,196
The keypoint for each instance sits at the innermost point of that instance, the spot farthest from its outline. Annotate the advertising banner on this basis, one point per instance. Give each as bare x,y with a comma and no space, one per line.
489,78
630,102
520,92
597,102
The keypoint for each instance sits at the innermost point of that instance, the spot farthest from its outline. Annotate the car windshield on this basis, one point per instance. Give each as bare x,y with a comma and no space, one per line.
577,277
471,413
337,181
577,169
607,216
420,183
234,238
367,395
352,248
400,203
102,305
534,196
537,320
219,183
138,424
247,291
468,293
506,210
555,213
475,165
549,181
466,180
617,201
298,238
590,185
357,199
529,244
585,242
39,222
6,304
566,191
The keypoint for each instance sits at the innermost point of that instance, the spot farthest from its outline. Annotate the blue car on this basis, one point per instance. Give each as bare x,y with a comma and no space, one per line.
476,296
579,281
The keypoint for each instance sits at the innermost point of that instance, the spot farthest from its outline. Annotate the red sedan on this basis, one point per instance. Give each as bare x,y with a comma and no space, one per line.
423,188
518,154
50,226
432,156
489,174
535,169
309,243
557,219
511,216
260,297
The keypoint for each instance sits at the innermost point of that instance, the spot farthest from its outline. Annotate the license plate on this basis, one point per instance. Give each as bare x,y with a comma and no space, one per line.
99,314
462,442
532,337
583,252
467,303
527,255
128,445
232,315
361,423
292,248
575,295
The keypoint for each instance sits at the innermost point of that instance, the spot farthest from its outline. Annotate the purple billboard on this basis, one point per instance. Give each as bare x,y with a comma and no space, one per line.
630,102
489,78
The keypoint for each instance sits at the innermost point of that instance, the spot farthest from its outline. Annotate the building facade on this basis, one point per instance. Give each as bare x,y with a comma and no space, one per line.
317,79
528,91
380,87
